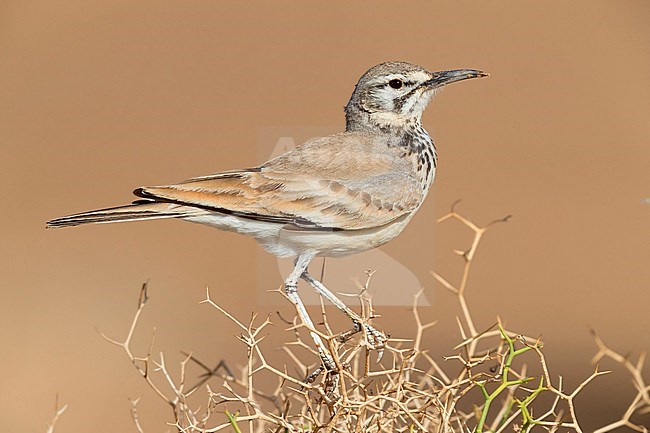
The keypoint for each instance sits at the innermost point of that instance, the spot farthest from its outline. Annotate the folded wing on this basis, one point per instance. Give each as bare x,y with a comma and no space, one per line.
320,184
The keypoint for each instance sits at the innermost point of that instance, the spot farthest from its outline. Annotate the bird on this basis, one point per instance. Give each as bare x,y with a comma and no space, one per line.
330,196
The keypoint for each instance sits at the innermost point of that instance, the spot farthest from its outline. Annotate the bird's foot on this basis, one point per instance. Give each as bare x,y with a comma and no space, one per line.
327,365
376,339
332,377
330,384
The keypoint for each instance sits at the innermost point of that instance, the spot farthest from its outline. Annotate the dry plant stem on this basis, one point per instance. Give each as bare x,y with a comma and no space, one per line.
472,336
251,337
146,366
568,398
468,257
58,411
228,377
134,414
144,370
635,370
641,402
637,403
421,327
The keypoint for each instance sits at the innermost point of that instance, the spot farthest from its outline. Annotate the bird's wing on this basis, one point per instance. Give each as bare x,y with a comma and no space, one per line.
323,183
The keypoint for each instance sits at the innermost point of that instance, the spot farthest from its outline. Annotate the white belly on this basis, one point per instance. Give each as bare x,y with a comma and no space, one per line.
283,241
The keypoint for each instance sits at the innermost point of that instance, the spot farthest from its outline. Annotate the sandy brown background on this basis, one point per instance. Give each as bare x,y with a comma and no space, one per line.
97,98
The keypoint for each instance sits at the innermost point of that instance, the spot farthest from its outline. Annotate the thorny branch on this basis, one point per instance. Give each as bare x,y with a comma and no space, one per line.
408,391
641,402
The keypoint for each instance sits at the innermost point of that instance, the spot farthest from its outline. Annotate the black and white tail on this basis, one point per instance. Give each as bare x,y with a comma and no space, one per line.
139,210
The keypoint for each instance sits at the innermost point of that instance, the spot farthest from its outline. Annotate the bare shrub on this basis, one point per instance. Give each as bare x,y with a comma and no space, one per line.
492,388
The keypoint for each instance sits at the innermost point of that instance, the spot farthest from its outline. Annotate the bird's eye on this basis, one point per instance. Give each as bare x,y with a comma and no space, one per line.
395,83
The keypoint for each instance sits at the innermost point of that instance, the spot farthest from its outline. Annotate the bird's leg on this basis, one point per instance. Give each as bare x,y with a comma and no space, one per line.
291,290
376,339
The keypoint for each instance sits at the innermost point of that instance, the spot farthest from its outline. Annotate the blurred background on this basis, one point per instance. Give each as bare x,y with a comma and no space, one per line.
97,98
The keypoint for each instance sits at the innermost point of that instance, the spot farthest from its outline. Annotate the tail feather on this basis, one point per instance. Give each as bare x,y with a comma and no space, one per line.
139,210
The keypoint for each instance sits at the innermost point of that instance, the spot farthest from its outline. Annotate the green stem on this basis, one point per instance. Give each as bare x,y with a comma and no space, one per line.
505,383
233,421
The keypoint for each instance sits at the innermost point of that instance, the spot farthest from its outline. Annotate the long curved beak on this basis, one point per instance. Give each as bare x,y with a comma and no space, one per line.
442,78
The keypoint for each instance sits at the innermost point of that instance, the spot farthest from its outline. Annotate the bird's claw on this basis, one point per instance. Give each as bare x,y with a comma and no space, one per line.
376,340
327,366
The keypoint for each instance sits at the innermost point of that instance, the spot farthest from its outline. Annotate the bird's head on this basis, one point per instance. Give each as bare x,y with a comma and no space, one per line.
393,94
